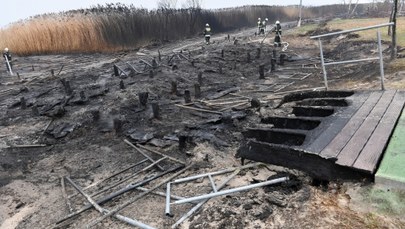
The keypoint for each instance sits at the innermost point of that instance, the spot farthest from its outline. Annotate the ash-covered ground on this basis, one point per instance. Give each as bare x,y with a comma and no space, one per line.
68,116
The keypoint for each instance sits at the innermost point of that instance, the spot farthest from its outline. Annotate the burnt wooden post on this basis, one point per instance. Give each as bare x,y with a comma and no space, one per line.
222,53
52,73
187,96
82,95
273,64
159,56
274,53
229,37
143,98
18,76
197,90
282,58
117,125
68,89
151,74
174,87
116,71
261,71
32,66
255,103
95,115
154,64
182,143
122,85
248,57
220,70
200,78
66,85
35,111
155,110
23,103
258,53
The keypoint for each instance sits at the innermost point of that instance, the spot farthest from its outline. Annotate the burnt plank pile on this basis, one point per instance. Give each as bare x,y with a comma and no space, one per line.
330,134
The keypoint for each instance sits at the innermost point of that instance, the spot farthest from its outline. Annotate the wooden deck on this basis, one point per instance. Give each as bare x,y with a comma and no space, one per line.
361,143
348,144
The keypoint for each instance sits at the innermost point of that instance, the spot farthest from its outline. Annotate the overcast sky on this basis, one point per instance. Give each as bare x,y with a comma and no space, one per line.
14,10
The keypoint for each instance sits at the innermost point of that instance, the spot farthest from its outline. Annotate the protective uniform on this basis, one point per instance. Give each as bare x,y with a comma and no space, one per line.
277,38
207,33
260,26
265,24
7,55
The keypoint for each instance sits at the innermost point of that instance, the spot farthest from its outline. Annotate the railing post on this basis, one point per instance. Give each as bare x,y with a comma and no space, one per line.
325,78
381,59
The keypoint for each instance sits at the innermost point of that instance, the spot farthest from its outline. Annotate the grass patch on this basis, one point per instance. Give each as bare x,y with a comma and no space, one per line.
345,24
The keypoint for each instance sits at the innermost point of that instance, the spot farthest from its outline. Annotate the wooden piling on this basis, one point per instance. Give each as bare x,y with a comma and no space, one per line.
258,53
174,87
261,71
182,143
116,71
200,78
273,64
220,69
143,98
197,90
122,86
82,95
35,111
187,96
95,115
282,58
155,110
23,103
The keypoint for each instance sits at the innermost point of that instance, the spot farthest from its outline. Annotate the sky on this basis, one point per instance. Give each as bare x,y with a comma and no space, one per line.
15,10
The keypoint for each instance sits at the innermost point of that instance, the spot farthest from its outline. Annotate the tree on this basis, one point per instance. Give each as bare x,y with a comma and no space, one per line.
166,4
194,10
166,7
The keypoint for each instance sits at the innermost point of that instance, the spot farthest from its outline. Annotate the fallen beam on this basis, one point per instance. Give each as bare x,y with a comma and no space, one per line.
198,109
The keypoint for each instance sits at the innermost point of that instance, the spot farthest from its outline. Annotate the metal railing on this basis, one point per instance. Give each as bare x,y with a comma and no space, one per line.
380,56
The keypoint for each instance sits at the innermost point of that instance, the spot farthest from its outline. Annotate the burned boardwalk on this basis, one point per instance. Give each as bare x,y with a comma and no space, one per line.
334,134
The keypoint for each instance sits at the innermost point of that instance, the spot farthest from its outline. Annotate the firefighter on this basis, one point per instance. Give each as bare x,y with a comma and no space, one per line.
7,57
259,25
207,33
265,24
277,38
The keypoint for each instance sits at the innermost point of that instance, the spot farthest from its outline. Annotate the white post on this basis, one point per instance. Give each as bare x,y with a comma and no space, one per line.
381,59
300,15
325,78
